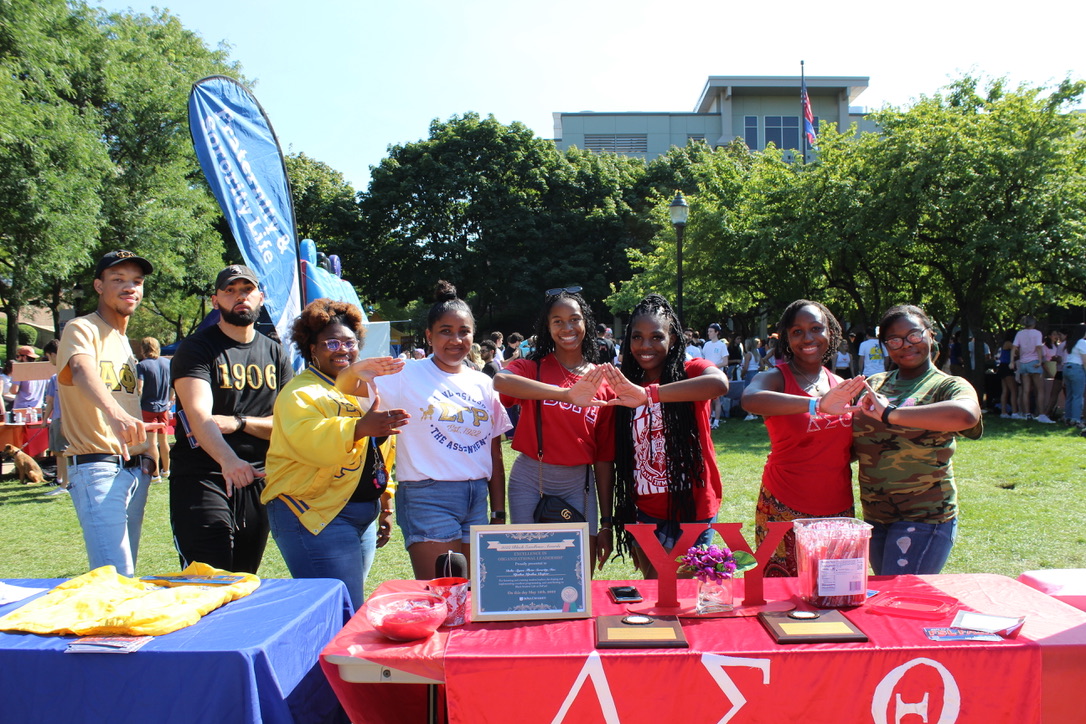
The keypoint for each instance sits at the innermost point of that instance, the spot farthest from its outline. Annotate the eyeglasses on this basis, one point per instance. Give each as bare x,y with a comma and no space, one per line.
559,290
914,337
334,345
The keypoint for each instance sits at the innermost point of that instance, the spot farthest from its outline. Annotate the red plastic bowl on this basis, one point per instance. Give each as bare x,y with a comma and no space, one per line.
406,616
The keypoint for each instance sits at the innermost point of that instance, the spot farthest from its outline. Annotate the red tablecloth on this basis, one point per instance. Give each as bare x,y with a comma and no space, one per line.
1066,584
733,671
33,439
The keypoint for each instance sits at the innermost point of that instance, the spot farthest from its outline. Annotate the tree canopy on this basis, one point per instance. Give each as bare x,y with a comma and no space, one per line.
500,213
969,203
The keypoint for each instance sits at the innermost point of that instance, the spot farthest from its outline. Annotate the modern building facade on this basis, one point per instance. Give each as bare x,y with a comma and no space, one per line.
761,110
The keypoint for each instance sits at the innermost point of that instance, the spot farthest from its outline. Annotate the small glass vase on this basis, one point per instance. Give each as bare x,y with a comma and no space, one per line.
714,596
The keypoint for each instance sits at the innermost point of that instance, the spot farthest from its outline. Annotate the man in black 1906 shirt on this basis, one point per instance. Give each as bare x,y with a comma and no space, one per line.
226,378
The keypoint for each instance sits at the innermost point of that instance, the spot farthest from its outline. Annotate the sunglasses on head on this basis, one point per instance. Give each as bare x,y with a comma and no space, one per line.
559,290
334,345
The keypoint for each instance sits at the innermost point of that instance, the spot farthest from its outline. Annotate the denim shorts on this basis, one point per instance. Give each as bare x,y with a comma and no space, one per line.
1030,368
668,531
440,511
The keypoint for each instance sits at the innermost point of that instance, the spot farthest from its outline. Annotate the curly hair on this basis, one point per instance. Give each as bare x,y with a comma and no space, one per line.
319,314
682,445
784,347
544,344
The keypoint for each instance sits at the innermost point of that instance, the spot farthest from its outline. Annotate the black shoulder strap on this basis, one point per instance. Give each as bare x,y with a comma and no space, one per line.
539,413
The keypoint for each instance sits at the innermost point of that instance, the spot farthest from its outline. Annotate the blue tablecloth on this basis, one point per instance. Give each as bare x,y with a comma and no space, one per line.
252,660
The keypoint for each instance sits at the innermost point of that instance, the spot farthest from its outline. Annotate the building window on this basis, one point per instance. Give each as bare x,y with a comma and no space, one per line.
699,137
782,131
750,132
617,142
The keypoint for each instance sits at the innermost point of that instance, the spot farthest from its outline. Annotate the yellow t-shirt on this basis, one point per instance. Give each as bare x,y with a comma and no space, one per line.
84,425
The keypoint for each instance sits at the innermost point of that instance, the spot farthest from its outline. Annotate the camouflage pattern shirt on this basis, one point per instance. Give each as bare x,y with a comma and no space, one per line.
906,473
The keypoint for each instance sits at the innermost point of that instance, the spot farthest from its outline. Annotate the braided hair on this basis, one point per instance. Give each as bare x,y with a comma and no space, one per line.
784,347
544,343
684,459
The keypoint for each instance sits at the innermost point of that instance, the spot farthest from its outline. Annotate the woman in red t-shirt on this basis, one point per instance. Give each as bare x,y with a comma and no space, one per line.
807,473
665,463
557,384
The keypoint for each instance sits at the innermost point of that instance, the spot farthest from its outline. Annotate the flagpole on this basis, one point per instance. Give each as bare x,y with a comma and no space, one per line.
802,110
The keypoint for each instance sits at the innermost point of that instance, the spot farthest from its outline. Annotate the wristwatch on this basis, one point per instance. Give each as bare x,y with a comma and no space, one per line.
241,422
498,515
886,414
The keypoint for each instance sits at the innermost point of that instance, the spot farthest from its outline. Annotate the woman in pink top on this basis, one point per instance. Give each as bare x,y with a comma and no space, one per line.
807,473
1028,350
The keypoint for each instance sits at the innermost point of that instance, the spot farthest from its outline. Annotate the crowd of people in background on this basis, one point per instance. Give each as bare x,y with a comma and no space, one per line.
619,431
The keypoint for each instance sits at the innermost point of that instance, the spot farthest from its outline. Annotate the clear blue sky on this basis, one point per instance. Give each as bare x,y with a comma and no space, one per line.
341,80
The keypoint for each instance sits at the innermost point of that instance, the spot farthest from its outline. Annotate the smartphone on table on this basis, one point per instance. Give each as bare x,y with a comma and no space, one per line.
624,594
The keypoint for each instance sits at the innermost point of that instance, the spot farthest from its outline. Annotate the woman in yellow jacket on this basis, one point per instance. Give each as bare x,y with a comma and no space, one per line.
325,469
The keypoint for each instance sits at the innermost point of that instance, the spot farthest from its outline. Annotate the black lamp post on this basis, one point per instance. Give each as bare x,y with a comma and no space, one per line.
679,211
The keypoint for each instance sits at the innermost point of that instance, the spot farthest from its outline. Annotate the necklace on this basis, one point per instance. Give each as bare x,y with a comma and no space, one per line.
811,384
578,370
108,323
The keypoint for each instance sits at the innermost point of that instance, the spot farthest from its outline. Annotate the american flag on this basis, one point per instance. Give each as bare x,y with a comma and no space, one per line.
808,115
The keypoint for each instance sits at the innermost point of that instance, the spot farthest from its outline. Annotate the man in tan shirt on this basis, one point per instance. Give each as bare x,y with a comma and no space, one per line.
101,416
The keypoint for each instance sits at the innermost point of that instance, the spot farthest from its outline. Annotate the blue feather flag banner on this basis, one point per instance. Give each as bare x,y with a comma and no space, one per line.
241,158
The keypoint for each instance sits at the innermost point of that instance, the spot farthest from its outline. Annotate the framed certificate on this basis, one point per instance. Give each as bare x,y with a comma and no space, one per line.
524,572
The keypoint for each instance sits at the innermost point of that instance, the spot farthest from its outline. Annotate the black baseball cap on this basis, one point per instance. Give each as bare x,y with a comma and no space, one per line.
234,272
120,256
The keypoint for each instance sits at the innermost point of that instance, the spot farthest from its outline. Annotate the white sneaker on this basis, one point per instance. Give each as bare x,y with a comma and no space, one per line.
1018,416
714,425
1005,416
59,490
1045,419
750,417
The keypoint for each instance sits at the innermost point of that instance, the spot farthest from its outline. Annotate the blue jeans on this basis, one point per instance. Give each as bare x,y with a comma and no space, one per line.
337,552
109,501
668,531
1075,379
906,547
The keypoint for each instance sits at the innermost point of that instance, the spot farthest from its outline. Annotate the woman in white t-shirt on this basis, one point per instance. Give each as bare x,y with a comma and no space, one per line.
842,366
448,457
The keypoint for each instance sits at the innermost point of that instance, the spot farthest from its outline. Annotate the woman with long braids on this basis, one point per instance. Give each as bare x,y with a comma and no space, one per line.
665,463
807,473
565,437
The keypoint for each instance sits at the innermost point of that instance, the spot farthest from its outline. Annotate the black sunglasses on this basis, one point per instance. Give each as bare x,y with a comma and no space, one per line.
559,290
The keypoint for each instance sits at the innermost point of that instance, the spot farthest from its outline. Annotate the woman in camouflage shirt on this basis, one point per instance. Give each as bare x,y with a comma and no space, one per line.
904,437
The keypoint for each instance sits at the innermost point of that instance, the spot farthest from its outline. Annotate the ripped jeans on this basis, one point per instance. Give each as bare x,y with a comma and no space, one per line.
907,547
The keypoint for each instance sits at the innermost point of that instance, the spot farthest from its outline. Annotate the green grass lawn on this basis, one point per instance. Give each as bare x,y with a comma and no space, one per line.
1020,487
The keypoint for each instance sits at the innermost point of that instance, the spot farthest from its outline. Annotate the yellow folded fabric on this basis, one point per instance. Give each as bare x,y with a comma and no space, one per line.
105,602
